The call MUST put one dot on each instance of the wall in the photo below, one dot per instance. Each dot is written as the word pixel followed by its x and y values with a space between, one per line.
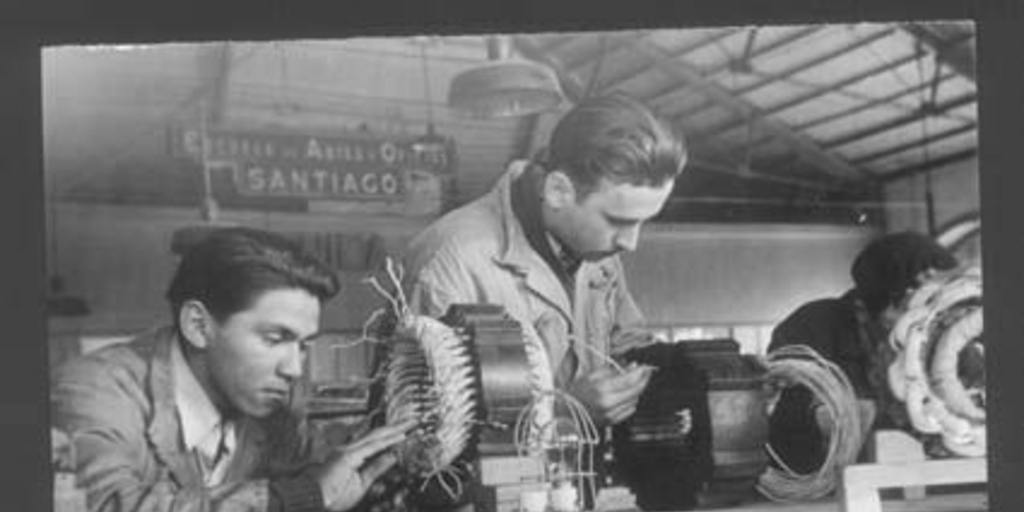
pixel 684 275
pixel 743 278
pixel 119 258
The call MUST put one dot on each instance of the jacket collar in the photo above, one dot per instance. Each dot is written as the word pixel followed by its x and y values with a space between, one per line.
pixel 519 256
pixel 164 429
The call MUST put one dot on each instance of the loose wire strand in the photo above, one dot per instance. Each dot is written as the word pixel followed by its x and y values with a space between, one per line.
pixel 606 358
pixel 532 439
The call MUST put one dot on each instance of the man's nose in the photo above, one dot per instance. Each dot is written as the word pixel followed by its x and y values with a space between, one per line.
pixel 626 239
pixel 291 365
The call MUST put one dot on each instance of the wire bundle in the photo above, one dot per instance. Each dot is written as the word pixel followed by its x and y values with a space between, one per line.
pixel 430 377
pixel 942 324
pixel 565 441
pixel 801 365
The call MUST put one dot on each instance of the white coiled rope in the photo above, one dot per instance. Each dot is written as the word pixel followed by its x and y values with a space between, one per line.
pixel 801 365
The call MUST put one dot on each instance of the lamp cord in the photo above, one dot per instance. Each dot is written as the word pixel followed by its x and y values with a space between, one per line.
pixel 426 87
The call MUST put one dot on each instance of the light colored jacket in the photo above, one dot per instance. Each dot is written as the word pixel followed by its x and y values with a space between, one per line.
pixel 117 404
pixel 479 253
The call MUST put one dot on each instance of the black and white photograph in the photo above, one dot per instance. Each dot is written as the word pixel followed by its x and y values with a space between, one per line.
pixel 704 268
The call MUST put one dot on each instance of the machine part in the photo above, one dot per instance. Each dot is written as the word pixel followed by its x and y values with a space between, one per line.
pixel 557 429
pixel 511 374
pixel 939 367
pixel 464 379
pixel 473 368
pixel 800 365
pixel 737 401
pixel 432 378
pixel 663 453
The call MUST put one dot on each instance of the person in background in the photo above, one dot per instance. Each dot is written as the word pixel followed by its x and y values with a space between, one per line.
pixel 199 415
pixel 852 331
pixel 544 244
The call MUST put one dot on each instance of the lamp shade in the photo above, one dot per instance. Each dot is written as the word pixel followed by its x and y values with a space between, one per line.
pixel 505 89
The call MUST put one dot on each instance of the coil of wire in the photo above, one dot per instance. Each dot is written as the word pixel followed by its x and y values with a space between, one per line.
pixel 938 372
pixel 800 365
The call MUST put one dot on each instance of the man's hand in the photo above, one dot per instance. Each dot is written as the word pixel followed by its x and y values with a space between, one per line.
pixel 350 471
pixel 612 395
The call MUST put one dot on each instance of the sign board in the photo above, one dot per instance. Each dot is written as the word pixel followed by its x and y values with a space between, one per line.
pixel 354 166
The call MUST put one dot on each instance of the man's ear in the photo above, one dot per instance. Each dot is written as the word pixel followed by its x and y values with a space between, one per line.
pixel 559 190
pixel 196 323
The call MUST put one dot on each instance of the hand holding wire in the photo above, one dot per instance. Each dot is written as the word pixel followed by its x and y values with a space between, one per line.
pixel 613 394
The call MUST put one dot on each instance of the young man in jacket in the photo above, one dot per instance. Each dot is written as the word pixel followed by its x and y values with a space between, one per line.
pixel 199 416
pixel 544 244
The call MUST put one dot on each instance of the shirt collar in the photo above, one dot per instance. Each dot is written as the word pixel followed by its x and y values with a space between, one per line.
pixel 200 419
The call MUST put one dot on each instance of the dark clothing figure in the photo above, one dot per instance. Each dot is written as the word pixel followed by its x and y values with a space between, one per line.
pixel 832 328
pixel 852 331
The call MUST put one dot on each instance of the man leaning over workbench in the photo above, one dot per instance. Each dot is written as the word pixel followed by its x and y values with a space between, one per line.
pixel 198 416
pixel 544 245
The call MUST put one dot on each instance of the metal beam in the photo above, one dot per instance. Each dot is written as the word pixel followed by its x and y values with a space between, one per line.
pixel 958 53
pixel 888 100
pixel 913 117
pixel 802 66
pixel 758 52
pixel 928 166
pixel 559 41
pixel 806 148
pixel 749 173
pixel 612 44
pixel 605 47
pixel 885 100
pixel 571 85
pixel 895 150
pixel 823 90
pixel 631 71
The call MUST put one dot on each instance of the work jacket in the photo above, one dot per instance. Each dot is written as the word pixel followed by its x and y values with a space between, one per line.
pixel 479 253
pixel 117 404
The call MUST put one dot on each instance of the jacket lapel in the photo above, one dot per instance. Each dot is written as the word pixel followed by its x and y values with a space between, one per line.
pixel 249 450
pixel 164 430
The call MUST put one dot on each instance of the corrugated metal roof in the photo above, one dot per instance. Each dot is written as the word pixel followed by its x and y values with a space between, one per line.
pixel 825 106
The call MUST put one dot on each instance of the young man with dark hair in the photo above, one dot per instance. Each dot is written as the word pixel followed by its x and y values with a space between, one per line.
pixel 199 416
pixel 544 244
pixel 852 331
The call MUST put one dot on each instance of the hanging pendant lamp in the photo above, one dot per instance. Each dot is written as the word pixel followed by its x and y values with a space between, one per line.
pixel 504 87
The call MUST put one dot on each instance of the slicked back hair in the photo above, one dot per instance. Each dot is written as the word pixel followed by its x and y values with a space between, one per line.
pixel 229 268
pixel 617 138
